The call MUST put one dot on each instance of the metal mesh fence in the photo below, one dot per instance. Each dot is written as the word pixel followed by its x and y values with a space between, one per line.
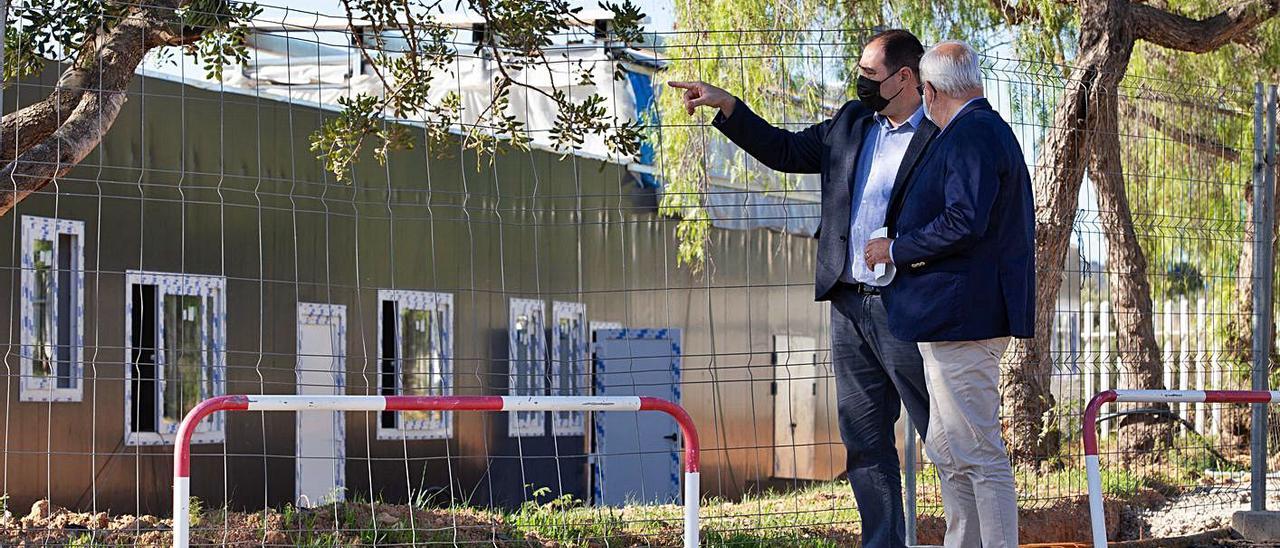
pixel 203 248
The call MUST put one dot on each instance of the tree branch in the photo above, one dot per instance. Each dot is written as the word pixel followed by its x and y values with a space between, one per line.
pixel 97 97
pixel 1014 15
pixel 1179 32
pixel 168 37
pixel 1203 143
pixel 23 128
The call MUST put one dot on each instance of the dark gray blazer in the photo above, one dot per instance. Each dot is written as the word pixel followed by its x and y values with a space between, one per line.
pixel 830 148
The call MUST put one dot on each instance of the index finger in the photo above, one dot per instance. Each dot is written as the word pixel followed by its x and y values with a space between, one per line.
pixel 683 85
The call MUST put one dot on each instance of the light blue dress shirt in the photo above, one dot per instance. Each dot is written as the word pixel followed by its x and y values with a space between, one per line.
pixel 878 162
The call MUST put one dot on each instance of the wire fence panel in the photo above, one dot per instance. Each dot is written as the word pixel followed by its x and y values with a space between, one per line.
pixel 207 247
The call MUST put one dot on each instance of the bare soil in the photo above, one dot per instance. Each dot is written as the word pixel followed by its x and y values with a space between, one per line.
pixel 1149 518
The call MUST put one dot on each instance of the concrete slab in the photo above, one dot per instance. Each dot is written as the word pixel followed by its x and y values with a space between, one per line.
pixel 1257 526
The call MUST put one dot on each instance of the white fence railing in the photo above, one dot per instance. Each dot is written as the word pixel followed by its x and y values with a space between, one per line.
pixel 1190 334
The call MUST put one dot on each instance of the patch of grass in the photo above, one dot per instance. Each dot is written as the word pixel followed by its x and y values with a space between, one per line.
pixel 566 519
pixel 319 539
pixel 195 511
pixel 82 541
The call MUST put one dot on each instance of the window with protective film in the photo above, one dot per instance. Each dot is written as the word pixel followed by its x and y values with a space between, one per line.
pixel 527 366
pixel 175 342
pixel 416 345
pixel 568 364
pixel 52 309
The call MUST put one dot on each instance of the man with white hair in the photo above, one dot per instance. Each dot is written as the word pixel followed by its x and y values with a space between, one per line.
pixel 961 236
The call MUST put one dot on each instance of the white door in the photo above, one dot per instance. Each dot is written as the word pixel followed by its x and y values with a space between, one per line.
pixel 636 455
pixel 321 434
pixel 794 407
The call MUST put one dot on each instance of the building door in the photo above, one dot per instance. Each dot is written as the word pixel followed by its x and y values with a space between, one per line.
pixel 635 456
pixel 795 398
pixel 321 435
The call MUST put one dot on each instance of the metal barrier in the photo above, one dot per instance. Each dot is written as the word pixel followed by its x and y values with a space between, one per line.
pixel 1097 519
pixel 182 446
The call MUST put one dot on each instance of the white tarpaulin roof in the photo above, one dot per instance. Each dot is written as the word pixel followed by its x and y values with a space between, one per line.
pixel 324 79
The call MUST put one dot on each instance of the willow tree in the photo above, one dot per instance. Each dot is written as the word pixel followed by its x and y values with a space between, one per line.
pixel 765 57
pixel 790 62
pixel 1085 138
pixel 1086 46
pixel 103 42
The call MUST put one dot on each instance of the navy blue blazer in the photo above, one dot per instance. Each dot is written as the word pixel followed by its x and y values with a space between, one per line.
pixel 965 230
pixel 831 149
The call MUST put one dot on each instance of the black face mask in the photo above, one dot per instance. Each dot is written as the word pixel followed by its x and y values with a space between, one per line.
pixel 869 93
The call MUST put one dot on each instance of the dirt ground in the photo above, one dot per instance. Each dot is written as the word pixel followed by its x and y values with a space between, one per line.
pixel 353 524
pixel 344 525
pixel 1148 520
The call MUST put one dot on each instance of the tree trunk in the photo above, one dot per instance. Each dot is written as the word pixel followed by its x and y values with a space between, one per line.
pixel 1085 131
pixel 1025 382
pixel 1087 103
pixel 1130 291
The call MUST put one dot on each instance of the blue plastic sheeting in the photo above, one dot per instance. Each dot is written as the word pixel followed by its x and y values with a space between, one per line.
pixel 647 113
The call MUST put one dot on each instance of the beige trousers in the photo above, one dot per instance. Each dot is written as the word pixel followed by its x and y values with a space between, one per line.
pixel 978 493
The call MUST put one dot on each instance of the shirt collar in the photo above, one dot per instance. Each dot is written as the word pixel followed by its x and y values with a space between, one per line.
pixel 969 102
pixel 962 107
pixel 913 122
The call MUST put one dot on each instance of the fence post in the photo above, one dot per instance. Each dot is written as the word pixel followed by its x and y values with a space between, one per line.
pixel 1263 264
pixel 1166 344
pixel 910 485
pixel 1184 355
pixel 1087 356
pixel 1104 353
pixel 1202 363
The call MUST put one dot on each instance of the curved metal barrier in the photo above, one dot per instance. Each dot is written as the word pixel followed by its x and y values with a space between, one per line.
pixel 182 446
pixel 1096 516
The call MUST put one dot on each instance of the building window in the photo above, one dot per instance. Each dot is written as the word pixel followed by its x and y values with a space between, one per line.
pixel 52 309
pixel 175 341
pixel 527 366
pixel 568 364
pixel 415 350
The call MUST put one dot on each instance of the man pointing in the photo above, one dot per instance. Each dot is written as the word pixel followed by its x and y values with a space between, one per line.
pixel 863 155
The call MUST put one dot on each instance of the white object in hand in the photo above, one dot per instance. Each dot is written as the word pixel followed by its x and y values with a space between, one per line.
pixel 883 271
pixel 882 232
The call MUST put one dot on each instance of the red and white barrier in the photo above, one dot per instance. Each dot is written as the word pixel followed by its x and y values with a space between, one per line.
pixel 182 446
pixel 1096 516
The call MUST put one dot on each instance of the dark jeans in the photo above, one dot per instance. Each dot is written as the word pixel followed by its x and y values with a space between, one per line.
pixel 874 372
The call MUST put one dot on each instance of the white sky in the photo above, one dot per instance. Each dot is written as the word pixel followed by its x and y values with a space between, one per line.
pixel 661 12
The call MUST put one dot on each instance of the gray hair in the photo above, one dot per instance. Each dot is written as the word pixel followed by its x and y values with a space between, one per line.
pixel 952 67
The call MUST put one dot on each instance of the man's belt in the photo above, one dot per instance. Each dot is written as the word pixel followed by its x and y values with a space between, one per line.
pixel 861 288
